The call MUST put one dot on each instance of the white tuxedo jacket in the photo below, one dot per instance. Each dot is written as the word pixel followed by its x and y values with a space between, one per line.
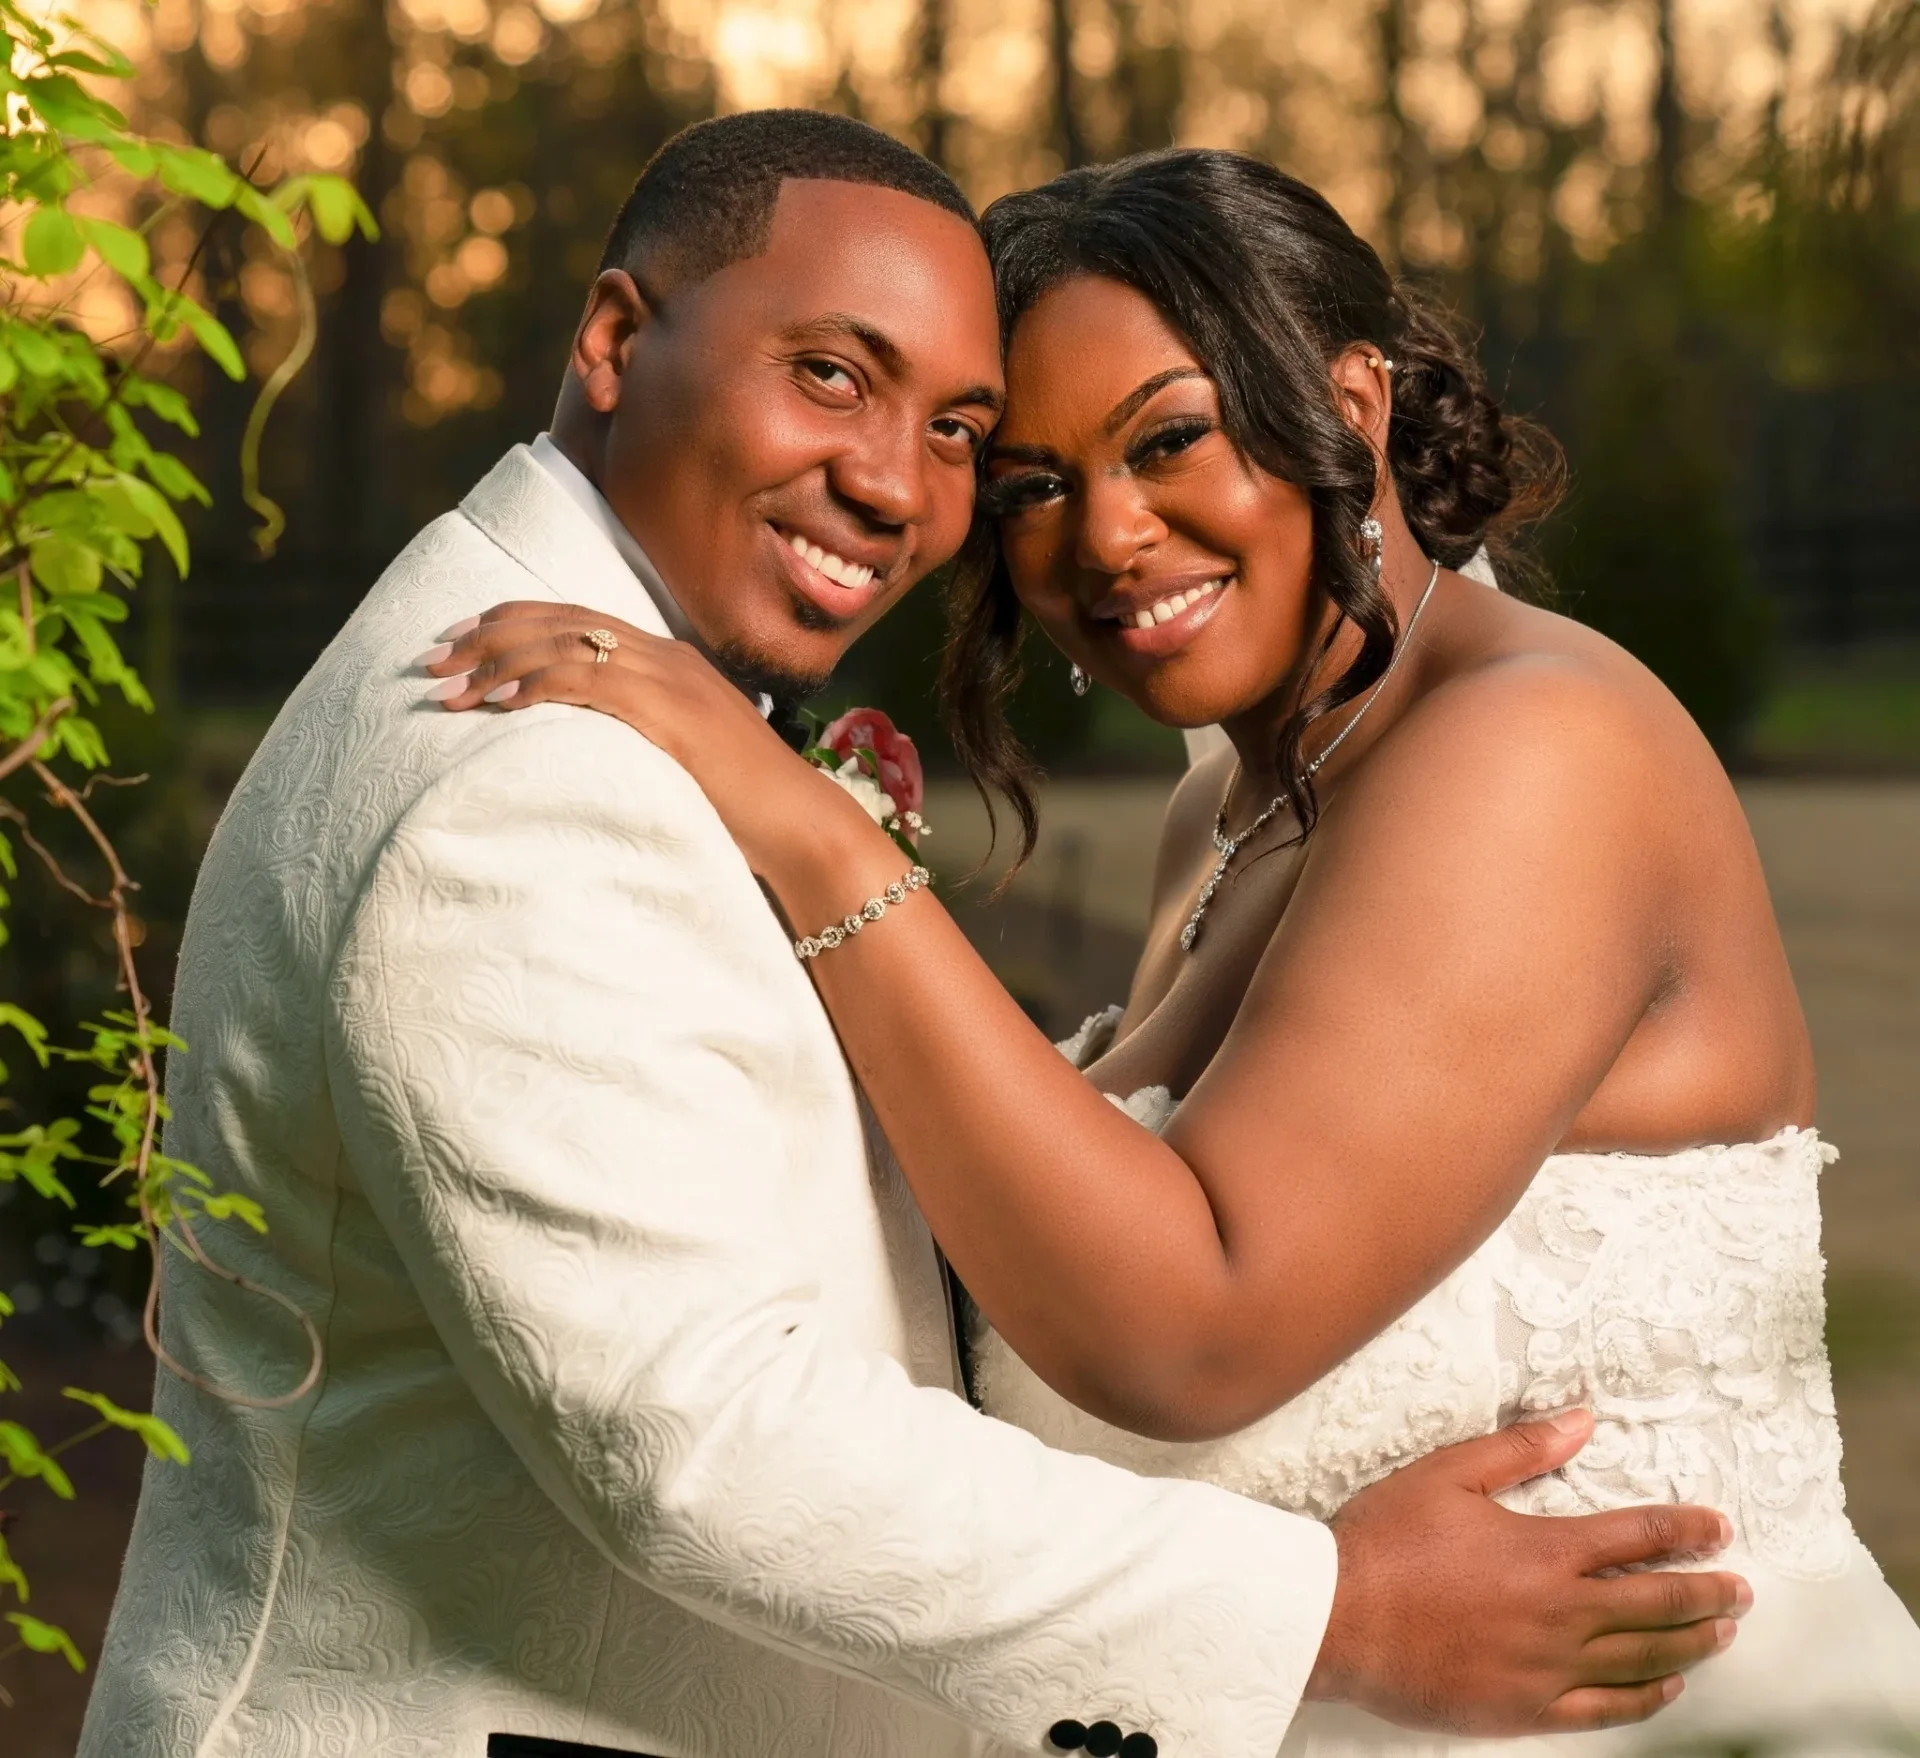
pixel 637 1425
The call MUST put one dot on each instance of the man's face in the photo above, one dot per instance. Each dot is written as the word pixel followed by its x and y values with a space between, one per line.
pixel 793 439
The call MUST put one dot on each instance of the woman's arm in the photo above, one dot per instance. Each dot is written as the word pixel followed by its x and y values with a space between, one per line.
pixel 1473 938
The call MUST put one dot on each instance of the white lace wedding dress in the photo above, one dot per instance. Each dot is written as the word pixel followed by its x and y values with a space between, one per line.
pixel 1681 1299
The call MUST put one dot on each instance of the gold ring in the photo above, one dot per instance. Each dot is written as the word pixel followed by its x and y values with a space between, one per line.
pixel 603 642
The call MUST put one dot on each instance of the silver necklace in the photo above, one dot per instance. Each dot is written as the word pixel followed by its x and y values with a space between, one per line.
pixel 1225 846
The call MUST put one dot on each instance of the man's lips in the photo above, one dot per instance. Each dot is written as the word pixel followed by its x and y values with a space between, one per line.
pixel 839 584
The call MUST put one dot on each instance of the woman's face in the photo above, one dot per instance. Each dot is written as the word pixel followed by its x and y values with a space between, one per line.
pixel 1153 554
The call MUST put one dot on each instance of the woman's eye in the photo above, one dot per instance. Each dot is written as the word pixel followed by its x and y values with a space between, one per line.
pixel 1171 441
pixel 829 373
pixel 1004 496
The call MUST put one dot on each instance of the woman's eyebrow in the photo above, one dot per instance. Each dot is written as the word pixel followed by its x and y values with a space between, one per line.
pixel 1020 454
pixel 1129 405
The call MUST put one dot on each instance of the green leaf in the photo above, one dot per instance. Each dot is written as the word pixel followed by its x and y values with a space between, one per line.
pixel 197 174
pixel 47 1639
pixel 9 371
pixel 231 1207
pixel 160 519
pixel 25 1459
pixel 161 1441
pixel 121 248
pixel 124 1237
pixel 68 107
pixel 213 338
pixel 34 351
pixel 64 568
pixel 11 1574
pixel 28 1027
pixel 134 157
pixel 268 215
pixel 52 244
pixel 163 400
pixel 338 210
pixel 119 67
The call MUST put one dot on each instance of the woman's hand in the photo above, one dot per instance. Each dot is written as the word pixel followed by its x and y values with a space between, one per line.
pixel 772 801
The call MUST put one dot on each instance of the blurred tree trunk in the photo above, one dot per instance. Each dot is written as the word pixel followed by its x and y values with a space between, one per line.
pixel 1068 138
pixel 930 67
pixel 1148 77
pixel 1397 146
pixel 353 366
pixel 1668 122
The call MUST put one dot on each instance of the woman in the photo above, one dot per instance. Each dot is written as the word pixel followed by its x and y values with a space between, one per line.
pixel 1457 954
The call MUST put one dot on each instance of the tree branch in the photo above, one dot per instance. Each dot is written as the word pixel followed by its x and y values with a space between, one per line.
pixel 29 748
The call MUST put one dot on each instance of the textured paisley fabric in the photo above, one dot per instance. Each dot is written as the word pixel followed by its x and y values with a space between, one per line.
pixel 1678 1297
pixel 637 1424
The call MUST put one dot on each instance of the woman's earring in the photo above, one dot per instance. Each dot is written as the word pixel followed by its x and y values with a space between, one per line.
pixel 1081 682
pixel 1374 536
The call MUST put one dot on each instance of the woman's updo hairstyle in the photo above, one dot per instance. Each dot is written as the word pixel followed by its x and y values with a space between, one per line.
pixel 1269 286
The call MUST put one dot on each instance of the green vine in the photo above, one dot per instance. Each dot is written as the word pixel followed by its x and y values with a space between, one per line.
pixel 86 490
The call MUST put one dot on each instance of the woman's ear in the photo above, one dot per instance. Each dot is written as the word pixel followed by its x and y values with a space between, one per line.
pixel 616 313
pixel 1363 389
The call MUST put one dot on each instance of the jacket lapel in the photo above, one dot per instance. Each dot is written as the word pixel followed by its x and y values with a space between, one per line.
pixel 530 516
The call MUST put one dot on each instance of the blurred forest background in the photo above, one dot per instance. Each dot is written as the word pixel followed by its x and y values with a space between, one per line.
pixel 1688 231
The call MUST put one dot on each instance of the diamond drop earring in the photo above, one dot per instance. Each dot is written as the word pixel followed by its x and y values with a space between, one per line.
pixel 1373 535
pixel 1081 682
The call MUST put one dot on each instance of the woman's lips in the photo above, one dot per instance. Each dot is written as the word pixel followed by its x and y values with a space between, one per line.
pixel 1161 639
pixel 840 601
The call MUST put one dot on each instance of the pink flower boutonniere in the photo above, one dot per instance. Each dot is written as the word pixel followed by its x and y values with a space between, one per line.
pixel 877 763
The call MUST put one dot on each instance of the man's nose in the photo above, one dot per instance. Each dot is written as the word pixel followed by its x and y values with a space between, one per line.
pixel 1116 524
pixel 885 474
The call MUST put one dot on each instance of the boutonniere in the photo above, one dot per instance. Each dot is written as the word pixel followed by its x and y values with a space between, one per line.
pixel 877 763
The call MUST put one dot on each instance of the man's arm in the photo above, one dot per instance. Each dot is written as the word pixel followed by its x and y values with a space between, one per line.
pixel 558 1061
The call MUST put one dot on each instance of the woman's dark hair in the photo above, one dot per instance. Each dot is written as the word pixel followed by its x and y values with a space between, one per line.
pixel 1269 286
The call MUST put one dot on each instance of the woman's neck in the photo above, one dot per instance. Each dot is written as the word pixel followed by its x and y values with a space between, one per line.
pixel 1255 734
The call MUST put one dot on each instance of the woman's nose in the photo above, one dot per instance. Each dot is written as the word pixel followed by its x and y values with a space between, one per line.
pixel 1115 526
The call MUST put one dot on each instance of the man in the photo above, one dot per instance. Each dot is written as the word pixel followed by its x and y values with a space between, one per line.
pixel 637 1429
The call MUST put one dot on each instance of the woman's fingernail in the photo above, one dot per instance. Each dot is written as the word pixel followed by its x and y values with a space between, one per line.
pixel 1742 1599
pixel 1568 1421
pixel 465 626
pixel 448 688
pixel 506 691
pixel 1726 1532
pixel 433 656
pixel 1724 1631
pixel 1671 1688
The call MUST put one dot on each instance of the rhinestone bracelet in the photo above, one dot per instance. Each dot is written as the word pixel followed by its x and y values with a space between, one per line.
pixel 871 911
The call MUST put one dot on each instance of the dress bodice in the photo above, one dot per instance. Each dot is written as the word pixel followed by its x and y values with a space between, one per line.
pixel 1679 1297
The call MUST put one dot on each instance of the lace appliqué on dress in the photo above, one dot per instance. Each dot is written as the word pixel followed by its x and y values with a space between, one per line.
pixel 1679 1297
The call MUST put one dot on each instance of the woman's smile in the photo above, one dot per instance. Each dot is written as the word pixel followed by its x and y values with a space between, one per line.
pixel 1156 618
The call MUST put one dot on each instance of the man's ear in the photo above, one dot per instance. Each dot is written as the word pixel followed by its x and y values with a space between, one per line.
pixel 617 311
pixel 1363 389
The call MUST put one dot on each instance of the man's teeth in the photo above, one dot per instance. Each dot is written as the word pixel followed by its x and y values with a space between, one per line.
pixel 841 572
pixel 1169 608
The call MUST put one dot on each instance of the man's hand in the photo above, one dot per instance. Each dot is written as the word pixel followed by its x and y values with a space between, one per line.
pixel 1454 1614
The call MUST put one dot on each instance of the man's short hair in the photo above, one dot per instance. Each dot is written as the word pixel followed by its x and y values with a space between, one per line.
pixel 706 198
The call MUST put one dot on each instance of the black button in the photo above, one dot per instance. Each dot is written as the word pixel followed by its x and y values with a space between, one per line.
pixel 1067 1736
pixel 1139 1746
pixel 1103 1740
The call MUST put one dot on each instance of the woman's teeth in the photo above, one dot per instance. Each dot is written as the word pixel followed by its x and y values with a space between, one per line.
pixel 1169 608
pixel 836 569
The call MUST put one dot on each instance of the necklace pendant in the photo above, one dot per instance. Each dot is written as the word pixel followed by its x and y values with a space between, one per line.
pixel 1191 932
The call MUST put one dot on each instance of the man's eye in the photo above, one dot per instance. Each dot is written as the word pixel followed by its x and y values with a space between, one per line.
pixel 830 373
pixel 951 427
